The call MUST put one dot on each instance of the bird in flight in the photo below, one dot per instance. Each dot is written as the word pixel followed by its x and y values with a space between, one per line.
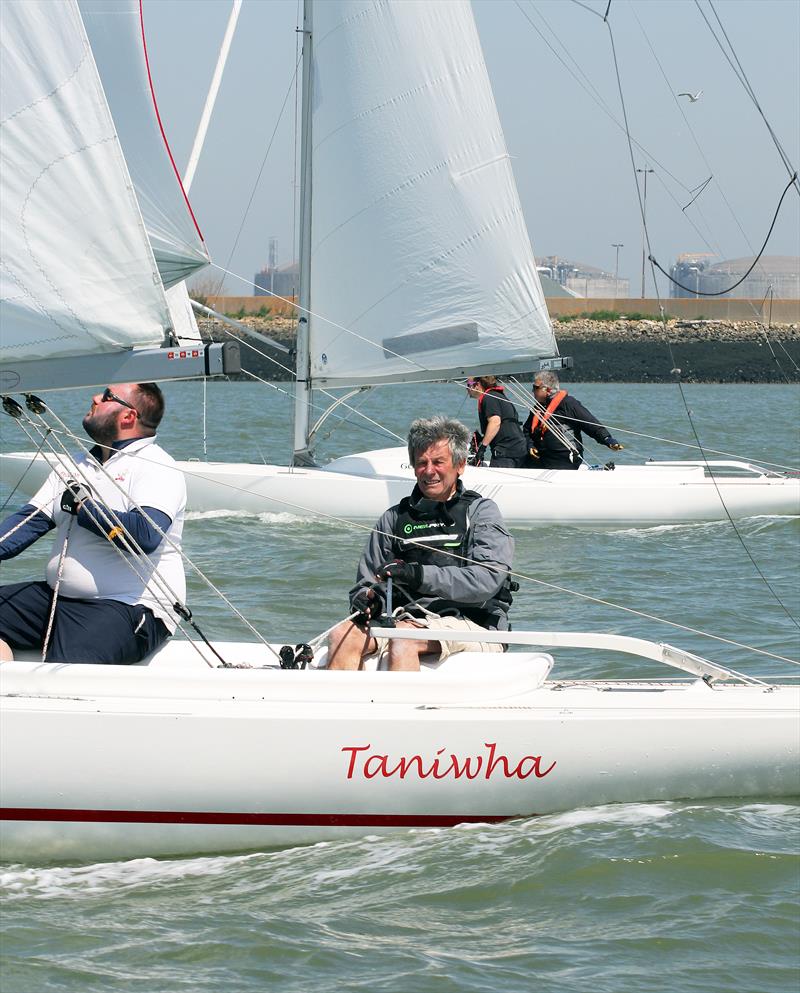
pixel 693 97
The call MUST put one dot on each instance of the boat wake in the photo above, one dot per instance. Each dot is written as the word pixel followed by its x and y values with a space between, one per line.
pixel 762 827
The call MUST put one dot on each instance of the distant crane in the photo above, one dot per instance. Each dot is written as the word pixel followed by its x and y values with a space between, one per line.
pixel 693 97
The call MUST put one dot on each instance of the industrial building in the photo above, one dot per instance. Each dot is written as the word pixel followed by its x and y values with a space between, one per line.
pixel 776 276
pixel 579 280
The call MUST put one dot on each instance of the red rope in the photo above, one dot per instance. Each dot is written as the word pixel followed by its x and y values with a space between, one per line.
pixel 161 126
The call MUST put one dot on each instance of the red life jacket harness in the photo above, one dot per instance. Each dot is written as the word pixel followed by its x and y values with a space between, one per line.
pixel 539 422
pixel 492 389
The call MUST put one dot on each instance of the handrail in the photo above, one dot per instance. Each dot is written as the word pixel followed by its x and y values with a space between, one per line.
pixel 676 658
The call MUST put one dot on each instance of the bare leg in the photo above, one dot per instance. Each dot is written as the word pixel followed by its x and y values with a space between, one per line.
pixel 6 655
pixel 404 655
pixel 347 645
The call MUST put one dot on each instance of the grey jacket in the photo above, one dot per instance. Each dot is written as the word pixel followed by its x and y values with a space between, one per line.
pixel 489 548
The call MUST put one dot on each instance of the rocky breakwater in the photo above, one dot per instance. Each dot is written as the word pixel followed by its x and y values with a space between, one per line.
pixel 646 350
pixel 604 351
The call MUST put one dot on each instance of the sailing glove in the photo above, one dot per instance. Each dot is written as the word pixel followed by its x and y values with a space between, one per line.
pixel 407 574
pixel 368 602
pixel 73 496
pixel 613 444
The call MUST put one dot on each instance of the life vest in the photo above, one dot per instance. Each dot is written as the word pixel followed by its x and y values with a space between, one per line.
pixel 492 389
pixel 539 422
pixel 431 532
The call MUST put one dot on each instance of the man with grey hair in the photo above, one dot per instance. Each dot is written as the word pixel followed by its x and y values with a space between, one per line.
pixel 554 431
pixel 447 552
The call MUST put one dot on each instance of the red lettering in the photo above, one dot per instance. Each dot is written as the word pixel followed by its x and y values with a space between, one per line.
pixel 354 749
pixel 466 768
pixel 492 762
pixel 378 762
pixel 404 765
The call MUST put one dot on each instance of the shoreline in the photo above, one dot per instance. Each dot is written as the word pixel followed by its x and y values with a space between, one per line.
pixel 616 351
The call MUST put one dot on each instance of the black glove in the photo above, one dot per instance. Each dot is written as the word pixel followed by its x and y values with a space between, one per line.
pixel 73 495
pixel 613 444
pixel 407 574
pixel 477 458
pixel 368 602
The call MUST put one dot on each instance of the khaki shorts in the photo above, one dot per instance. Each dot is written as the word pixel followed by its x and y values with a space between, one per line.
pixel 447 624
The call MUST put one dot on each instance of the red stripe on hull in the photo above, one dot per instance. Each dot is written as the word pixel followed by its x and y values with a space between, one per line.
pixel 216 817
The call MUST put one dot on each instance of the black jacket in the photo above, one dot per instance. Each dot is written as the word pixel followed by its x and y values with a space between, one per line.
pixel 572 419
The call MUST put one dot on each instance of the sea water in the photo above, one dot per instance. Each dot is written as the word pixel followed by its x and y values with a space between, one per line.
pixel 678 896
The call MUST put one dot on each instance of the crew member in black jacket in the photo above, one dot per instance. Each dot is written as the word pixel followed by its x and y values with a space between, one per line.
pixel 500 428
pixel 554 430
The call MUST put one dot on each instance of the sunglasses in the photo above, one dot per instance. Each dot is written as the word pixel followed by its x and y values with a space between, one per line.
pixel 539 386
pixel 109 394
pixel 471 384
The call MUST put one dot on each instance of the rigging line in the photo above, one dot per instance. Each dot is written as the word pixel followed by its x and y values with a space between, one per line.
pixel 669 344
pixel 742 77
pixel 79 442
pixel 691 131
pixel 720 293
pixel 697 192
pixel 714 248
pixel 24 474
pixel 246 212
pixel 599 101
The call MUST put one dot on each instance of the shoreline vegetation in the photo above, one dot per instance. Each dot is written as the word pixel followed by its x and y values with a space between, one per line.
pixel 606 348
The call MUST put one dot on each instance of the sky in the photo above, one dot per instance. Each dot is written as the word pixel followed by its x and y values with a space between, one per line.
pixel 553 75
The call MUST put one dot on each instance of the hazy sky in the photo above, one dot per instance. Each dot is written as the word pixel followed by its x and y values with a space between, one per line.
pixel 552 71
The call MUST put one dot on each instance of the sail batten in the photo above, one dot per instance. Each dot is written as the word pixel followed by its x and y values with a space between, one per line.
pixel 420 258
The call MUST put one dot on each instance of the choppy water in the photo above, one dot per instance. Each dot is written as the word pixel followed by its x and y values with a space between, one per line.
pixel 639 897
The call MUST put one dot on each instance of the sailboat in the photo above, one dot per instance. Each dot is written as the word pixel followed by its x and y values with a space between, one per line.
pixel 416 266
pixel 113 762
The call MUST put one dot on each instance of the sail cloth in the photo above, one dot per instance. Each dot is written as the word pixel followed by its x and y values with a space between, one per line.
pixel 77 274
pixel 421 265
pixel 115 32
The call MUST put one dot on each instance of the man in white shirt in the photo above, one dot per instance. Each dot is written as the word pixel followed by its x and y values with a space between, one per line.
pixel 116 569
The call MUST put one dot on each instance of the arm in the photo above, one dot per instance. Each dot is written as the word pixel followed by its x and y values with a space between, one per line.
pixel 492 427
pixel 584 420
pixel 491 549
pixel 378 550
pixel 134 527
pixel 30 523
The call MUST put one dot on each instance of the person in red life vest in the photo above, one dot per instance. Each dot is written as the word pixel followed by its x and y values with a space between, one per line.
pixel 500 429
pixel 554 431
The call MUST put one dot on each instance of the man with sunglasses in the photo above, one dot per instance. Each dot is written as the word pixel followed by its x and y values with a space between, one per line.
pixel 500 429
pixel 555 429
pixel 116 567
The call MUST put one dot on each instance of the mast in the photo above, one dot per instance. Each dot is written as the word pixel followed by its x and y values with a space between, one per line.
pixel 302 407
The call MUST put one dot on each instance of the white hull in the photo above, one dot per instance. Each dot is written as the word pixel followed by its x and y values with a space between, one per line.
pixel 360 487
pixel 176 758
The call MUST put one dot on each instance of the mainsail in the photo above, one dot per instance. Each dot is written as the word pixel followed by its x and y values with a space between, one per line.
pixel 420 261
pixel 77 273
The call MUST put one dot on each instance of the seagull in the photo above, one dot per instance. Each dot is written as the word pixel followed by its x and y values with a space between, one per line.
pixel 693 97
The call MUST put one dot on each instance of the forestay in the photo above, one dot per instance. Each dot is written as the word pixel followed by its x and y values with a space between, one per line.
pixel 418 243
pixel 116 32
pixel 78 273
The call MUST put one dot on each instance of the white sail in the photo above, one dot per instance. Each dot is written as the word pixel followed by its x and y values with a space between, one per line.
pixel 116 32
pixel 77 274
pixel 421 265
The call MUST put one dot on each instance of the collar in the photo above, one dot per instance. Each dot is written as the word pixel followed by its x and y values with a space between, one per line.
pixel 117 446
pixel 422 506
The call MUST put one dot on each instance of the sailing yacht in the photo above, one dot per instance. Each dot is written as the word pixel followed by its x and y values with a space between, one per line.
pixel 460 741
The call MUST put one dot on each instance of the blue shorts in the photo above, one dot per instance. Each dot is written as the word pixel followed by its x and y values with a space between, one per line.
pixel 97 631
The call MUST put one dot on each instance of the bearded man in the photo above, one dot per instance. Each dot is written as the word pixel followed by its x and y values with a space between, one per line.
pixel 116 568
